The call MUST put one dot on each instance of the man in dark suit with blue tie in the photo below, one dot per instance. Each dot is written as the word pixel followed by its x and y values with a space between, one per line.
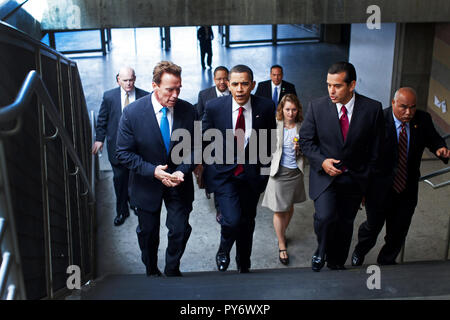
pixel 238 184
pixel 341 137
pixel 276 87
pixel 144 146
pixel 114 101
pixel 392 196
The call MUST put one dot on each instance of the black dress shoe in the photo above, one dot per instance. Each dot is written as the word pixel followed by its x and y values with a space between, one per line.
pixel 317 263
pixel 222 261
pixel 333 266
pixel 244 269
pixel 120 219
pixel 357 260
pixel 173 273
pixel 154 273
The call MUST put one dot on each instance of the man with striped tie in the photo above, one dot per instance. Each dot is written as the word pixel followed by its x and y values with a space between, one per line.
pixel 144 146
pixel 392 197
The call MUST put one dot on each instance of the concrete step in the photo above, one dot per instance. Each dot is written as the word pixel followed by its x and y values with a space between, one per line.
pixel 415 280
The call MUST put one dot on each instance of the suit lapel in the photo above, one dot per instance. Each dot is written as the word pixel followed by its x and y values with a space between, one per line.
pixel 177 121
pixel 391 133
pixel 213 93
pixel 154 122
pixel 413 135
pixel 280 134
pixel 118 102
pixel 356 117
pixel 332 117
pixel 256 115
pixel 282 91
pixel 228 113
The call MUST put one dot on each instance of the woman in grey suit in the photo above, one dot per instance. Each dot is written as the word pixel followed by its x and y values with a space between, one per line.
pixel 286 186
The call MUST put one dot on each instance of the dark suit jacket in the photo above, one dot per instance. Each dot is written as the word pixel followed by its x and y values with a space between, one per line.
pixel 140 148
pixel 205 41
pixel 422 134
pixel 218 115
pixel 321 138
pixel 204 96
pixel 108 119
pixel 264 89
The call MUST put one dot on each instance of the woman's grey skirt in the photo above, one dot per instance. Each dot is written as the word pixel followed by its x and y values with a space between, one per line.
pixel 284 189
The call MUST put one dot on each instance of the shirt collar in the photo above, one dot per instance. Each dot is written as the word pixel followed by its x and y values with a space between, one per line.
pixel 349 105
pixel 273 85
pixel 398 123
pixel 123 92
pixel 157 106
pixel 220 94
pixel 247 106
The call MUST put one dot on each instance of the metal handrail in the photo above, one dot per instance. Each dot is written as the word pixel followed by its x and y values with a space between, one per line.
pixel 33 84
pixel 93 124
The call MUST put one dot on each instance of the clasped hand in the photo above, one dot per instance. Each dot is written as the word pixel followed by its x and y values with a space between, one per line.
pixel 329 168
pixel 169 180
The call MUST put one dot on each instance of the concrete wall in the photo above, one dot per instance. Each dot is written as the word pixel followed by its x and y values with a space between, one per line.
pixel 94 14
pixel 413 58
pixel 372 54
pixel 440 78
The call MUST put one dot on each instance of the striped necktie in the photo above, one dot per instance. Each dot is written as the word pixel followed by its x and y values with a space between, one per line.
pixel 402 167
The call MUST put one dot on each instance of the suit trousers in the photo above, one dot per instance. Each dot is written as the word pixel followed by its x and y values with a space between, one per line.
pixel 206 49
pixel 336 209
pixel 121 177
pixel 177 222
pixel 237 203
pixel 397 212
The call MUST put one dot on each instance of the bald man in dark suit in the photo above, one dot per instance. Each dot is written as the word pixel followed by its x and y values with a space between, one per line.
pixel 114 101
pixel 392 196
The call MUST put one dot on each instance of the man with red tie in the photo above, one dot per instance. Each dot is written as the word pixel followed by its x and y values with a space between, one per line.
pixel 236 185
pixel 341 137
pixel 392 196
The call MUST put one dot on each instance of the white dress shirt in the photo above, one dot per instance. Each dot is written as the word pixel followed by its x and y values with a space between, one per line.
pixel 123 96
pixel 247 112
pixel 222 94
pixel 158 113
pixel 278 90
pixel 398 129
pixel 349 106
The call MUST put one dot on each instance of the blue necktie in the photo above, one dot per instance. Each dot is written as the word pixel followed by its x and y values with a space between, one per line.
pixel 275 97
pixel 165 131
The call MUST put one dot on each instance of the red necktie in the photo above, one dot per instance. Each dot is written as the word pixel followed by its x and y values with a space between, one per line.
pixel 240 124
pixel 402 173
pixel 343 120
